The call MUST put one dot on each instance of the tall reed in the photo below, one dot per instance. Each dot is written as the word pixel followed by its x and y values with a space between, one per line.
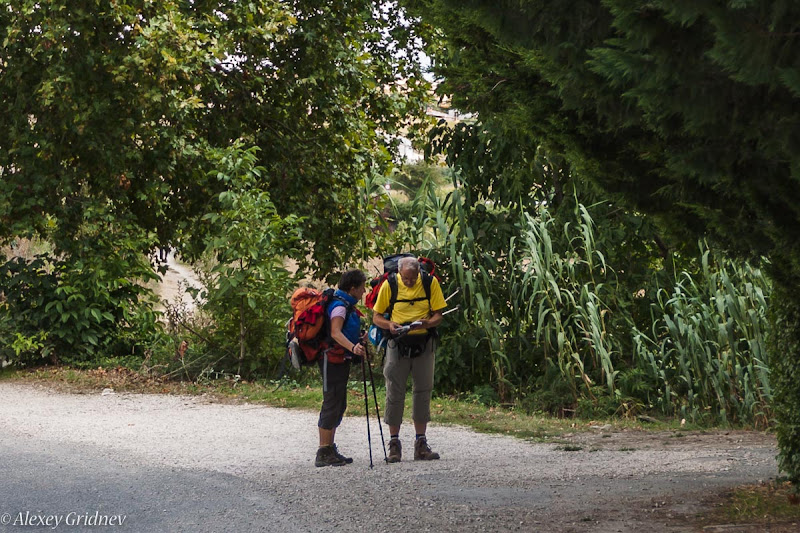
pixel 561 292
pixel 706 346
pixel 538 293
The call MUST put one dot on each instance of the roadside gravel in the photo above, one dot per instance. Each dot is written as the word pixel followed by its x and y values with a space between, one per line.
pixel 609 481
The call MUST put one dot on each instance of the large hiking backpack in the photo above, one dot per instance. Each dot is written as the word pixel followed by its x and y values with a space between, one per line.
pixel 427 268
pixel 308 335
pixel 390 271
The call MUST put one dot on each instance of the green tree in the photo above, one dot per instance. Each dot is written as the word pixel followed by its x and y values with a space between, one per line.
pixel 121 103
pixel 247 286
pixel 318 93
pixel 119 106
pixel 686 110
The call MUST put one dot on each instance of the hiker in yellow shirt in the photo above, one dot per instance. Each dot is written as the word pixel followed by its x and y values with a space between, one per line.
pixel 418 304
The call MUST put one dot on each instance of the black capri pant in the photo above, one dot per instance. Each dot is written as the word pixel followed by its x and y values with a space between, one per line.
pixel 334 399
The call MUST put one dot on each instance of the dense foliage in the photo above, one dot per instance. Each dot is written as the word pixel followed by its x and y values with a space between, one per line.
pixel 785 344
pixel 686 111
pixel 554 321
pixel 115 111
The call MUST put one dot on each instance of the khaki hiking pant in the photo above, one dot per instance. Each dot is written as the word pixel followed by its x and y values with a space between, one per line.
pixel 396 370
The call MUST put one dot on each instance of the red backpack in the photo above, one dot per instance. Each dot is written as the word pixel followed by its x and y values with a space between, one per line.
pixel 308 335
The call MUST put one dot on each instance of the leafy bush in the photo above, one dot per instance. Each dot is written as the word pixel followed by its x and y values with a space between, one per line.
pixel 485 395
pixel 246 283
pixel 785 347
pixel 550 393
pixel 598 404
pixel 461 364
pixel 76 310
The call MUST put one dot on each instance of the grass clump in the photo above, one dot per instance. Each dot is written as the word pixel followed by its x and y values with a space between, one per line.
pixel 768 506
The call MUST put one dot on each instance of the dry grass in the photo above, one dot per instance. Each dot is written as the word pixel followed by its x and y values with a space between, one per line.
pixel 769 507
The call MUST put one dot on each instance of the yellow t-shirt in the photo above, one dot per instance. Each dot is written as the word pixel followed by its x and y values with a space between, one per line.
pixel 405 312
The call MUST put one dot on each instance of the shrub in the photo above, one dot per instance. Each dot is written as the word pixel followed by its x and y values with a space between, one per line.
pixel 785 347
pixel 246 284
pixel 78 309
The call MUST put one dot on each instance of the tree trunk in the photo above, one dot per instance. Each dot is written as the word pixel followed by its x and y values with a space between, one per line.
pixel 241 335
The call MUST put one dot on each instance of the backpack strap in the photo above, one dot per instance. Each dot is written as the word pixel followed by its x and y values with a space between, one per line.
pixel 427 280
pixel 348 310
pixel 392 281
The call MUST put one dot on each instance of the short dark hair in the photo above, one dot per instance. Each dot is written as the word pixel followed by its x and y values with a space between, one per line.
pixel 351 279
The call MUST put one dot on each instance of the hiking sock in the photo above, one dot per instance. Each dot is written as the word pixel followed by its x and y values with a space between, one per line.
pixel 420 436
pixel 394 437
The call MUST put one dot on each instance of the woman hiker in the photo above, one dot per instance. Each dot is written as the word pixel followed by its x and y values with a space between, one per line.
pixel 345 323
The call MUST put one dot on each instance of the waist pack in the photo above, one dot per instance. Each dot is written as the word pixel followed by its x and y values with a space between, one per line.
pixel 413 345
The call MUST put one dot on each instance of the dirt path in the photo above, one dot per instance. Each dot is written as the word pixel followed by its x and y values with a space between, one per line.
pixel 172 288
pixel 610 481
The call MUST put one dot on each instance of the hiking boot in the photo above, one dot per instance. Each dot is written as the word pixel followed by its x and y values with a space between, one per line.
pixel 423 452
pixel 327 456
pixel 347 460
pixel 395 451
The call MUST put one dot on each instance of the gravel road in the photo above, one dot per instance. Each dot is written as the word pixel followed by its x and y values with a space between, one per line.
pixel 172 463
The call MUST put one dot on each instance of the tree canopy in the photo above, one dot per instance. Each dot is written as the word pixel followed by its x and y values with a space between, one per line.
pixel 118 118
pixel 687 111
pixel 119 103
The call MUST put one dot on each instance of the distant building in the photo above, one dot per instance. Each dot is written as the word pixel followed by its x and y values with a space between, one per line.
pixel 407 152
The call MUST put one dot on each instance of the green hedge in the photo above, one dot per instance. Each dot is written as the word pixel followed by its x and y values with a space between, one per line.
pixel 785 357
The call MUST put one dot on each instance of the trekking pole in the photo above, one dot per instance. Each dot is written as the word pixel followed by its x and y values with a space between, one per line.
pixel 456 308
pixel 377 410
pixel 366 409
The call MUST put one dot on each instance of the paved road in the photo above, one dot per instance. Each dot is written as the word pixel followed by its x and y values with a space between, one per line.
pixel 85 484
pixel 169 463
